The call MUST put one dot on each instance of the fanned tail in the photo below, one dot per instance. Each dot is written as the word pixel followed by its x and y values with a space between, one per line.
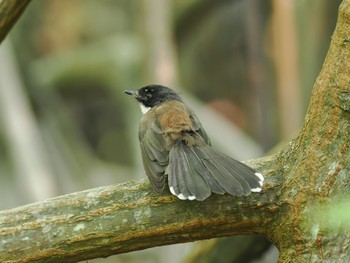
pixel 194 172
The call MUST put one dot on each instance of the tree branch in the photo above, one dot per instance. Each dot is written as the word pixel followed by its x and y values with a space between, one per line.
pixel 127 217
pixel 10 11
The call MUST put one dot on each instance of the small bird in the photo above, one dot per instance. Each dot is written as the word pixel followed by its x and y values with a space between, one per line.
pixel 174 143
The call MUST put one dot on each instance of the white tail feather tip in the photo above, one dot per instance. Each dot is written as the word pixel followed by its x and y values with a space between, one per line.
pixel 182 197
pixel 256 190
pixel 172 190
pixel 261 177
pixel 192 197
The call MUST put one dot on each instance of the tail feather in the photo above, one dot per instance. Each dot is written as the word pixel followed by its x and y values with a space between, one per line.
pixel 178 172
pixel 229 183
pixel 190 182
pixel 245 172
pixel 197 186
pixel 176 181
pixel 241 172
pixel 195 172
pixel 183 174
pixel 218 172
pixel 197 160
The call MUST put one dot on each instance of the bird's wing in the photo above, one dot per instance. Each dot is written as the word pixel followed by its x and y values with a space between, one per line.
pixel 155 157
pixel 197 126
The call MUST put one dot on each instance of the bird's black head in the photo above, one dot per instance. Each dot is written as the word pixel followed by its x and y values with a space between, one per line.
pixel 153 95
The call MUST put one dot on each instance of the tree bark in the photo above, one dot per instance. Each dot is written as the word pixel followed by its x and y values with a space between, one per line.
pixel 313 169
pixel 127 217
pixel 316 164
pixel 10 11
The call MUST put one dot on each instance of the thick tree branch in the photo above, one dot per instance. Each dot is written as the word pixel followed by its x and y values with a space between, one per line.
pixel 10 11
pixel 316 169
pixel 127 217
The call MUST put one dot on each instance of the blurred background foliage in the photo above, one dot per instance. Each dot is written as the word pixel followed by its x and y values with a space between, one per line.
pixel 246 66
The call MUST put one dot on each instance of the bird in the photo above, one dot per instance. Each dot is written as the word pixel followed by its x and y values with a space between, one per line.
pixel 177 153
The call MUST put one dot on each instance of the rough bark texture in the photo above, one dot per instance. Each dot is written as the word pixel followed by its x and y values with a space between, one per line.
pixel 316 164
pixel 313 169
pixel 117 219
pixel 10 11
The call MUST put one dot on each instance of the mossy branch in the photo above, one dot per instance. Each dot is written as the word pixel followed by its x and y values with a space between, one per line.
pixel 127 217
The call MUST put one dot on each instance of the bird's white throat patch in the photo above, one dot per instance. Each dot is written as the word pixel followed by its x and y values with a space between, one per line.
pixel 144 109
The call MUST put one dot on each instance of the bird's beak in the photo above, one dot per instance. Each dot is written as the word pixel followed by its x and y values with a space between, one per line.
pixel 133 93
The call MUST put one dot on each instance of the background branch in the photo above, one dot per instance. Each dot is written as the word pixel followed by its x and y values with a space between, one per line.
pixel 10 11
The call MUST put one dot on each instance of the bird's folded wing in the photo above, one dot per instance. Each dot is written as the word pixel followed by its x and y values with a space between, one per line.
pixel 155 157
pixel 197 126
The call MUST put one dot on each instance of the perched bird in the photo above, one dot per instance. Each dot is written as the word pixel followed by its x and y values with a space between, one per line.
pixel 174 143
